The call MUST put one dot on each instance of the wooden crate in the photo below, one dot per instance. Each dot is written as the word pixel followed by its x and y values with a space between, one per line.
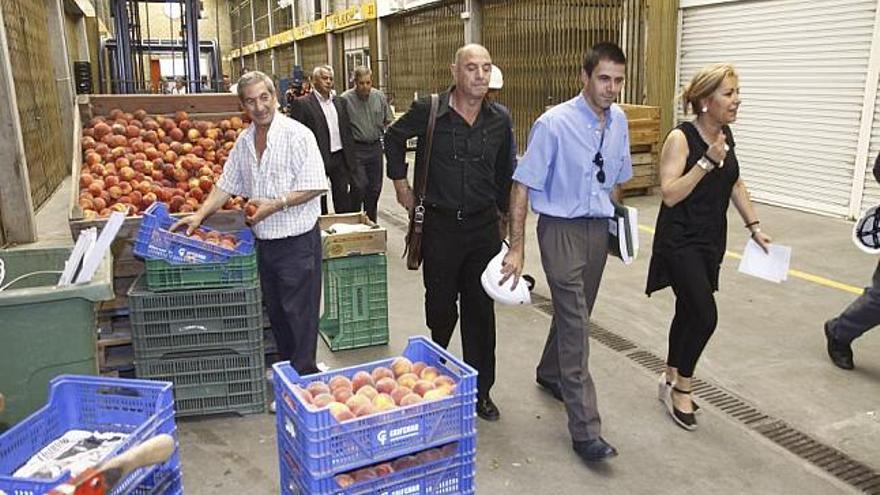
pixel 200 106
pixel 644 136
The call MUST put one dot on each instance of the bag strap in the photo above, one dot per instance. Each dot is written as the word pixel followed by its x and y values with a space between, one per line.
pixel 421 175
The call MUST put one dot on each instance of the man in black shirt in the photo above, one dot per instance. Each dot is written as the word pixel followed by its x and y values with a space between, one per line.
pixel 468 187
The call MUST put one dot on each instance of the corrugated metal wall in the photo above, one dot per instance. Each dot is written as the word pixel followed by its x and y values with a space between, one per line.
pixel 421 47
pixel 540 45
pixel 38 105
pixel 313 52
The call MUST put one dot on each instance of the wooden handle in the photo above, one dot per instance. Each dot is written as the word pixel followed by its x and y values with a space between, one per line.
pixel 2 403
pixel 154 451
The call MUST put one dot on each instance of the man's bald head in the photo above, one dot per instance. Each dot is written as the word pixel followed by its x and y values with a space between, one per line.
pixel 470 48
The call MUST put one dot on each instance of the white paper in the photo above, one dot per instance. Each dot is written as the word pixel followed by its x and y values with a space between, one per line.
pixel 84 243
pixel 92 258
pixel 771 266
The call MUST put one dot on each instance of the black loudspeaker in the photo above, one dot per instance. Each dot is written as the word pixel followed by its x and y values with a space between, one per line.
pixel 82 77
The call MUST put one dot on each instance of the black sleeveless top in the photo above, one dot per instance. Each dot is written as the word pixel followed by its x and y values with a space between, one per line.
pixel 697 225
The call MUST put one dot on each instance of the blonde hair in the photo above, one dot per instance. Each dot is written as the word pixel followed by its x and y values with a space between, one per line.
pixel 704 83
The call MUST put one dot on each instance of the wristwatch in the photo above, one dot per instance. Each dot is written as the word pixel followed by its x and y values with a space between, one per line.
pixel 705 164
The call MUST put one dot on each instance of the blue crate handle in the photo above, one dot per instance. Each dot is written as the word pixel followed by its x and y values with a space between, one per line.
pixel 122 387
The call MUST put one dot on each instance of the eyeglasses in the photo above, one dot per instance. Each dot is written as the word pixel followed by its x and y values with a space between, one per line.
pixel 599 162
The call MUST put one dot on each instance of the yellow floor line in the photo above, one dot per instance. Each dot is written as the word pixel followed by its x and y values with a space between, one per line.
pixel 809 277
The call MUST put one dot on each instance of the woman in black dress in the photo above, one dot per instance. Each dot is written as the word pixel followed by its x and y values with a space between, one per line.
pixel 699 176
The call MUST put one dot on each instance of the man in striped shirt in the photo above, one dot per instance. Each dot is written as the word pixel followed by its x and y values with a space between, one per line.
pixel 276 163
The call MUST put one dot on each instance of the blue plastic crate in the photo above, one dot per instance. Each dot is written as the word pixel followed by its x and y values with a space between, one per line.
pixel 326 446
pixel 154 241
pixel 137 407
pixel 448 475
pixel 172 485
pixel 158 481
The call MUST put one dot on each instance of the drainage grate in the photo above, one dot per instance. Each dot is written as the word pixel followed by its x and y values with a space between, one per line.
pixel 829 459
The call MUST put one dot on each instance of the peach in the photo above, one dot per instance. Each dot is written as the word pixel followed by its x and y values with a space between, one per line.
pixel 318 387
pixel 405 462
pixel 383 402
pixel 449 450
pixel 361 378
pixel 342 394
pixel 339 410
pixel 339 381
pixel 344 480
pixel 364 474
pixel 381 372
pixel 304 394
pixel 356 402
pixel 408 380
pixel 429 455
pixel 429 373
pixel 437 393
pixel 384 469
pixel 322 400
pixel 368 391
pixel 417 367
pixel 423 386
pixel 364 410
pixel 410 399
pixel 444 381
pixel 386 385
pixel 401 366
pixel 399 393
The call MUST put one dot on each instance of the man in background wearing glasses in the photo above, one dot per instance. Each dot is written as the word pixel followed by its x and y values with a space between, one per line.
pixel 577 156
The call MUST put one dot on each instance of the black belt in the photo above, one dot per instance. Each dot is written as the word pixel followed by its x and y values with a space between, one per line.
pixel 367 143
pixel 458 214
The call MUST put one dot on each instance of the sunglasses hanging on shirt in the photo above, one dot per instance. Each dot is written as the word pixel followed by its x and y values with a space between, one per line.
pixel 598 161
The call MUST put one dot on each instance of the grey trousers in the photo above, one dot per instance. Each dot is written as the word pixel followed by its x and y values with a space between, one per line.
pixel 861 315
pixel 573 254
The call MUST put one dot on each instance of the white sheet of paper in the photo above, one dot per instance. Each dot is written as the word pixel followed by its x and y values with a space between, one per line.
pixel 772 266
pixel 93 257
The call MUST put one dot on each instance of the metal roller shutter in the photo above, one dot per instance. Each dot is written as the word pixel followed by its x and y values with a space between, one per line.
pixel 803 67
pixel 871 194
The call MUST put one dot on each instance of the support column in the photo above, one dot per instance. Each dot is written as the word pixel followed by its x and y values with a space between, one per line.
pixel 473 21
pixel 124 74
pixel 191 11
pixel 16 204
pixel 62 68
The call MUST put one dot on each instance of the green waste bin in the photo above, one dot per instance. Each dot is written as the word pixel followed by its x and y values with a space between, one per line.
pixel 45 330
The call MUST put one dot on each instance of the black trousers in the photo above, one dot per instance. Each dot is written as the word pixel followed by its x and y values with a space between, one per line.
pixel 339 185
pixel 369 157
pixel 290 276
pixel 696 314
pixel 455 254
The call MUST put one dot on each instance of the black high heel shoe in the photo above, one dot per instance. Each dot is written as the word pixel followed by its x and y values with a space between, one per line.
pixel 688 421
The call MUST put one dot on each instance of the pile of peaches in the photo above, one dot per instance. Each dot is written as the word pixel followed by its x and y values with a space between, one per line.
pixel 345 480
pixel 131 160
pixel 403 384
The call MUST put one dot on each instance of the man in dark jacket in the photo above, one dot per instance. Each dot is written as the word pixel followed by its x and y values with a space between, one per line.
pixel 327 117
pixel 468 188
pixel 860 316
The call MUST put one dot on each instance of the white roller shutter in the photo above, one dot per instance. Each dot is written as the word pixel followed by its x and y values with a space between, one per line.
pixel 802 66
pixel 871 194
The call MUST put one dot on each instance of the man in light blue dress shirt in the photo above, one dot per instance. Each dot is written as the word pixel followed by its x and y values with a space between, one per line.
pixel 577 157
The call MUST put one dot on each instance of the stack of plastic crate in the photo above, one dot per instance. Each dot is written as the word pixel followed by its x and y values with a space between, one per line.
pixel 355 302
pixel 139 408
pixel 314 449
pixel 196 319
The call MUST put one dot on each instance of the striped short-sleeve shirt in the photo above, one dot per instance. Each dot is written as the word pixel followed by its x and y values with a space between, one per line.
pixel 291 162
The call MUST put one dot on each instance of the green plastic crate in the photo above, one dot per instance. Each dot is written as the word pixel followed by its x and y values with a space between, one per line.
pixel 238 271
pixel 194 320
pixel 211 382
pixel 355 302
pixel 46 331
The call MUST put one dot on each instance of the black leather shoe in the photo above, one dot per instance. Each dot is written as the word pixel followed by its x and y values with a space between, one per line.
pixel 551 387
pixel 487 409
pixel 840 352
pixel 594 450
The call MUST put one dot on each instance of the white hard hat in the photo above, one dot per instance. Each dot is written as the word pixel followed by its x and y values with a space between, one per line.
pixel 496 78
pixel 503 294
pixel 866 232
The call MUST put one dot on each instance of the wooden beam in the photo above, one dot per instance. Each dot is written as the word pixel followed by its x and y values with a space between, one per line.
pixel 661 60
pixel 62 68
pixel 16 204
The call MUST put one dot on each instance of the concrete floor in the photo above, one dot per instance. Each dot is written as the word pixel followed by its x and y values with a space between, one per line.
pixel 768 350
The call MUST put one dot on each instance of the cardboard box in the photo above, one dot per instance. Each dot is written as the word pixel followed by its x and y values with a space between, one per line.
pixel 353 243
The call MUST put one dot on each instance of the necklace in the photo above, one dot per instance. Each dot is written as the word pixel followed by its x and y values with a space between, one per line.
pixel 703 134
